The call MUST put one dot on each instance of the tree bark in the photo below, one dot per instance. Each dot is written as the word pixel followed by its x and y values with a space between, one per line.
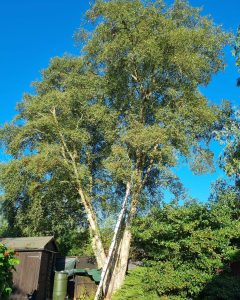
pixel 119 272
pixel 70 158
pixel 120 269
pixel 97 245
pixel 112 259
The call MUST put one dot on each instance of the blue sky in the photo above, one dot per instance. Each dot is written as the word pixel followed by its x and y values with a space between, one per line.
pixel 34 31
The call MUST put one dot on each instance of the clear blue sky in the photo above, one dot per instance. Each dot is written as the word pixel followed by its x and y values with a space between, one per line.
pixel 33 31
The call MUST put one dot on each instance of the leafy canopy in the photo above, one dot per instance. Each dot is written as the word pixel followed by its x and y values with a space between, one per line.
pixel 128 109
pixel 153 61
pixel 40 179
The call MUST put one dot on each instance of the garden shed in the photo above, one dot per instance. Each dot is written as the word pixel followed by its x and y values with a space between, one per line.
pixel 33 278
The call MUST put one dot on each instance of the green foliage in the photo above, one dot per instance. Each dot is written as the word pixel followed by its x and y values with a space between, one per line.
pixel 61 126
pixel 236 49
pixel 231 133
pixel 187 250
pixel 7 263
pixel 225 287
pixel 134 288
pixel 79 242
pixel 75 243
pixel 128 109
pixel 230 136
pixel 163 56
pixel 55 204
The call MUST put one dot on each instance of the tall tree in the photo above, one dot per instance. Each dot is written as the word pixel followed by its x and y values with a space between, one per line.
pixel 124 113
pixel 154 60
pixel 60 137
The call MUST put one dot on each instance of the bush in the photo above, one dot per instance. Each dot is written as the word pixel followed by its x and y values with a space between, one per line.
pixel 134 288
pixel 187 252
pixel 7 263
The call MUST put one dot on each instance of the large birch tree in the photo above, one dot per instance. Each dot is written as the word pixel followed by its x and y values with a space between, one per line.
pixel 154 60
pixel 124 113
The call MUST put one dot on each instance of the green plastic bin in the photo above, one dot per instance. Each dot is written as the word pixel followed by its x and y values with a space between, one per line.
pixel 60 286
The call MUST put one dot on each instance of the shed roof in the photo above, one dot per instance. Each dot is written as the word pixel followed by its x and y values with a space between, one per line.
pixel 25 243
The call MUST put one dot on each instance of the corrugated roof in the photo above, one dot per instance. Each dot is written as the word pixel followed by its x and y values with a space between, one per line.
pixel 27 242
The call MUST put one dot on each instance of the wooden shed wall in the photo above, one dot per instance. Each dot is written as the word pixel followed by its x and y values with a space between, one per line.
pixel 45 283
pixel 26 276
pixel 34 275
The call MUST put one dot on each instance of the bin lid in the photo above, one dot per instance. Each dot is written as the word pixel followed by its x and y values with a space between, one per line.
pixel 94 273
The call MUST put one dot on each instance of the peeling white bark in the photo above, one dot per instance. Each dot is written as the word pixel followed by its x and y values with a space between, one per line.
pixel 121 265
pixel 108 273
pixel 97 245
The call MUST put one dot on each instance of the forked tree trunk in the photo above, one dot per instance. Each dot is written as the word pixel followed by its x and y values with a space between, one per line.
pixel 91 216
pixel 97 245
pixel 105 286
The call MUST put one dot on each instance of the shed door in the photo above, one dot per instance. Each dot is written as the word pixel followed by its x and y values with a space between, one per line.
pixel 27 273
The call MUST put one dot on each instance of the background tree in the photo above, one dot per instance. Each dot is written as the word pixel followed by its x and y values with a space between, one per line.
pixel 44 207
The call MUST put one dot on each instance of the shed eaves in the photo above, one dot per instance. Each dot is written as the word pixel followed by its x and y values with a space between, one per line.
pixel 24 243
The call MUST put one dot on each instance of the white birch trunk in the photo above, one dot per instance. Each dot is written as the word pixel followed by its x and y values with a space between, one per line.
pixel 97 245
pixel 121 264
pixel 120 269
pixel 91 216
pixel 112 259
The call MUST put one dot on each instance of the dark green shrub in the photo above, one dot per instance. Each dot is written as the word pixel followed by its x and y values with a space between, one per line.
pixel 187 252
pixel 7 263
